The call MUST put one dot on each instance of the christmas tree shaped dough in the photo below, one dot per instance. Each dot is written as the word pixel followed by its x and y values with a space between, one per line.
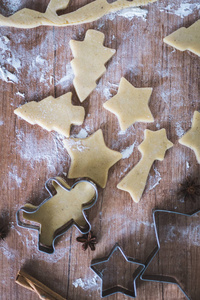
pixel 186 38
pixel 152 148
pixel 53 114
pixel 130 105
pixel 191 138
pixel 64 207
pixel 91 158
pixel 89 61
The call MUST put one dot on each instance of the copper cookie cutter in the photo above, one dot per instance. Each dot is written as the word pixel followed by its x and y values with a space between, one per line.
pixel 60 231
pixel 163 278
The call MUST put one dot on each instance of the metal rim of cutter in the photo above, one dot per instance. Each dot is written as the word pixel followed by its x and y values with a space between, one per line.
pixel 61 182
pixel 162 278
pixel 118 289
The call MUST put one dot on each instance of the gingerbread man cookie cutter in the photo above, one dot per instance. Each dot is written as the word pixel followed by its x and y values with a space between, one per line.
pixel 29 210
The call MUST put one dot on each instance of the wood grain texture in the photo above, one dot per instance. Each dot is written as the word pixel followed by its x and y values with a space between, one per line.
pixel 30 155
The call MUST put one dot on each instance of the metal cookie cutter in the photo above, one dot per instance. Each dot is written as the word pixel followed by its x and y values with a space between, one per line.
pixel 82 225
pixel 162 278
pixel 96 265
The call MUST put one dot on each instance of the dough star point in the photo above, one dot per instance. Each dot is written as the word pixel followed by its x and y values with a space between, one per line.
pixel 130 105
pixel 91 158
pixel 191 138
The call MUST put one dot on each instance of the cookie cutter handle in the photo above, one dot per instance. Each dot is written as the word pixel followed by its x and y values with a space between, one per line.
pixel 23 224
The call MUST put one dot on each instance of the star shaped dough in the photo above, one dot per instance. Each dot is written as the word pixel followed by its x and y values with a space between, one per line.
pixel 53 114
pixel 191 138
pixel 89 61
pixel 91 158
pixel 186 38
pixel 130 105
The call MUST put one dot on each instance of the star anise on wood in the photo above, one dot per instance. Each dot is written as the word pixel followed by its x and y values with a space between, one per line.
pixel 87 240
pixel 189 190
pixel 4 225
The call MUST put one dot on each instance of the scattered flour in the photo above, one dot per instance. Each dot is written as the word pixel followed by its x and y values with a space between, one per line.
pixel 179 130
pixel 82 134
pixel 187 165
pixel 154 180
pixel 13 175
pixel 185 9
pixel 87 284
pixel 12 6
pixel 20 94
pixel 130 13
pixel 68 78
pixel 189 233
pixel 33 150
pixel 126 153
pixel 1 122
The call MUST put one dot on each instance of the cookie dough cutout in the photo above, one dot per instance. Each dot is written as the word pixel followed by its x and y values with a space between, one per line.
pixel 90 57
pixel 53 114
pixel 91 158
pixel 61 209
pixel 28 18
pixel 186 38
pixel 153 147
pixel 191 139
pixel 130 105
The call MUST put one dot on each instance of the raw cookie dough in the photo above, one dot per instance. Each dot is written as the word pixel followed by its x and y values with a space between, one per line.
pixel 130 105
pixel 91 158
pixel 89 61
pixel 28 18
pixel 61 209
pixel 186 38
pixel 191 138
pixel 53 114
pixel 152 148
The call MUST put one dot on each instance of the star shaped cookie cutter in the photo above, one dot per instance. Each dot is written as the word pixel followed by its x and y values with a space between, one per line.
pixel 163 278
pixel 117 288
pixel 29 209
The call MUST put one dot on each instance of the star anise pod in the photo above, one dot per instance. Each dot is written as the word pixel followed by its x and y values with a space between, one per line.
pixel 87 240
pixel 190 189
pixel 4 225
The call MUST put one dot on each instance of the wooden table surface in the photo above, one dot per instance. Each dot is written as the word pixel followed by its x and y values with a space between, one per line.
pixel 34 64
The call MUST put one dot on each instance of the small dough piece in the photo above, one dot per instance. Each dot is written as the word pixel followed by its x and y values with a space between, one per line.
pixel 28 18
pixel 130 105
pixel 89 61
pixel 186 38
pixel 53 114
pixel 91 158
pixel 191 138
pixel 59 210
pixel 153 147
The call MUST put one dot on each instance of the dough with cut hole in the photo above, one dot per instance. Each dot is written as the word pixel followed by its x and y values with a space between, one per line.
pixel 53 114
pixel 186 38
pixel 89 61
pixel 130 105
pixel 91 158
pixel 64 207
pixel 28 18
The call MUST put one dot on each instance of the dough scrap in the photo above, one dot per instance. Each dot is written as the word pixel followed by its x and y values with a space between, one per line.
pixel 186 38
pixel 59 210
pixel 91 158
pixel 53 113
pixel 130 105
pixel 153 147
pixel 27 18
pixel 90 57
pixel 191 138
